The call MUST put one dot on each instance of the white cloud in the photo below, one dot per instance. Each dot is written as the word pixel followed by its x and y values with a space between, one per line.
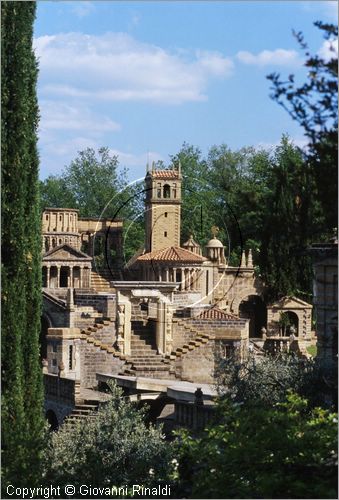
pixel 62 116
pixel 82 9
pixel 277 57
pixel 329 50
pixel 116 67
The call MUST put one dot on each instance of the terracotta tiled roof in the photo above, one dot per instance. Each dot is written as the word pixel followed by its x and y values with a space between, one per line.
pixel 216 313
pixel 165 174
pixel 172 254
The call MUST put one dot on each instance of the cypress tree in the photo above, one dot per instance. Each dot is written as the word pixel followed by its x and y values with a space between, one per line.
pixel 286 266
pixel 22 390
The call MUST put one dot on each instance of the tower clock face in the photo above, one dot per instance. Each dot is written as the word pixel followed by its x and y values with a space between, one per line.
pixel 169 213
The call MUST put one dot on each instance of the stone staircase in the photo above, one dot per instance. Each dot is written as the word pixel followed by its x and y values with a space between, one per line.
pixel 191 336
pixel 144 360
pixel 101 335
pixel 101 278
pixel 87 409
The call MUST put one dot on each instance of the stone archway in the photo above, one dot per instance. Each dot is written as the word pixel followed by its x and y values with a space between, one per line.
pixel 254 309
pixel 289 323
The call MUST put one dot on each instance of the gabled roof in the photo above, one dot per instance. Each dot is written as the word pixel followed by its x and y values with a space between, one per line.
pixel 65 252
pixel 216 313
pixel 172 254
pixel 289 301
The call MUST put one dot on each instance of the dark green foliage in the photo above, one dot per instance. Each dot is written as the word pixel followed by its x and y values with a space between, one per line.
pixel 258 199
pixel 22 393
pixel 286 451
pixel 314 105
pixel 287 225
pixel 115 448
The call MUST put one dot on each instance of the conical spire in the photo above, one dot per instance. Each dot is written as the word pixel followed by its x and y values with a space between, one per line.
pixel 250 258
pixel 243 260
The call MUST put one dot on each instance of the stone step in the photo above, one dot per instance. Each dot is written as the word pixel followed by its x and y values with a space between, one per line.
pixel 147 368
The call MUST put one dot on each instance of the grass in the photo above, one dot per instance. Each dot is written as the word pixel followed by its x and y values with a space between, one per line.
pixel 312 350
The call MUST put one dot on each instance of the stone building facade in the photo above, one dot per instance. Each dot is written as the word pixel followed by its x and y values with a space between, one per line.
pixel 184 309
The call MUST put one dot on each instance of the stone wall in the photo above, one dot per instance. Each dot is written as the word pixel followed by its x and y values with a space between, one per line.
pixel 197 365
pixel 105 303
pixel 58 316
pixel 93 360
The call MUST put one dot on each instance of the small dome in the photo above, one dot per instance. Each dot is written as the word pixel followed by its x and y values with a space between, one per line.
pixel 214 243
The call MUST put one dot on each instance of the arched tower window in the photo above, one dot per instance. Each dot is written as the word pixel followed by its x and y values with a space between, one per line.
pixel 167 191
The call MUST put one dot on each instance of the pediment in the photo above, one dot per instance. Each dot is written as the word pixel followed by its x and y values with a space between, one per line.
pixel 291 303
pixel 65 252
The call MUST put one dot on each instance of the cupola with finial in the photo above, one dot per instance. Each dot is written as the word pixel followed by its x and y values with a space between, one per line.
pixel 215 249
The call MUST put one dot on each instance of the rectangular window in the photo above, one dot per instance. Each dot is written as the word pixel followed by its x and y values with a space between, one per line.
pixel 54 362
pixel 165 234
pixel 54 348
pixel 165 214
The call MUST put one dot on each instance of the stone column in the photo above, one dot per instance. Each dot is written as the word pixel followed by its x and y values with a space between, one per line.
pixel 48 270
pixel 71 276
pixel 188 279
pixel 167 273
pixel 81 275
pixel 58 276
pixel 161 327
pixel 193 274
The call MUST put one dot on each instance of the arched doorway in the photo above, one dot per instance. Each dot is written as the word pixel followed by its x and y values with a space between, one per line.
pixel 289 323
pixel 52 420
pixel 45 324
pixel 254 309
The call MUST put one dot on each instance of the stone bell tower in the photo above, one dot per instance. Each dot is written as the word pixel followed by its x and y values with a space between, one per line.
pixel 163 208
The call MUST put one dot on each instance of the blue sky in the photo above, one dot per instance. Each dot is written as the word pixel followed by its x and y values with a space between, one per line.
pixel 143 77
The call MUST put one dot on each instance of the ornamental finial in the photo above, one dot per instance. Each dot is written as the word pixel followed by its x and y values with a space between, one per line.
pixel 214 230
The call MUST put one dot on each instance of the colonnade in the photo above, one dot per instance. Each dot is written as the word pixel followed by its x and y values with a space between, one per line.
pixel 75 275
pixel 188 277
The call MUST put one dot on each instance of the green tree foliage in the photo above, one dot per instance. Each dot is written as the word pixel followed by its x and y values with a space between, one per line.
pixel 266 380
pixel 89 183
pixel 287 224
pixel 285 451
pixel 22 393
pixel 114 448
pixel 314 105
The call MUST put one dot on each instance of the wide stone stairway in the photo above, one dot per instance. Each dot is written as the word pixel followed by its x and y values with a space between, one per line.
pixel 144 360
pixel 101 279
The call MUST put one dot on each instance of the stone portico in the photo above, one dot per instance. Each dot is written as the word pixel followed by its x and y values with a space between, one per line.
pixel 66 267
